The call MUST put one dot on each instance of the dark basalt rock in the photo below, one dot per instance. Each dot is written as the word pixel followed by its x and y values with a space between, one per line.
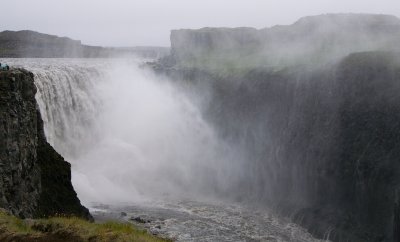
pixel 35 180
pixel 140 220
pixel 20 183
pixel 315 108
pixel 321 145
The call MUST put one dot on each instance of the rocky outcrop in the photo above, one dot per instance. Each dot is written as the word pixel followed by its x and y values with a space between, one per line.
pixel 35 179
pixel 20 173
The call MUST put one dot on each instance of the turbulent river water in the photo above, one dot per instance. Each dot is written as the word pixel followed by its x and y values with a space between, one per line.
pixel 141 151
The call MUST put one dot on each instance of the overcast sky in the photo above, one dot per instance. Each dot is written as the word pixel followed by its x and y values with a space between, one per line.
pixel 148 22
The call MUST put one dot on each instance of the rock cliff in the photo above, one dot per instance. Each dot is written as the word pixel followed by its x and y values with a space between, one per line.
pixel 316 40
pixel 321 146
pixel 320 137
pixel 31 44
pixel 35 180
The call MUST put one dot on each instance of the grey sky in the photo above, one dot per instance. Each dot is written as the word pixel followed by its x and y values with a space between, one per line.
pixel 148 22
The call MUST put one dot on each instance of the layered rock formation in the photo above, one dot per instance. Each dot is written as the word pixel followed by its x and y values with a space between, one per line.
pixel 35 179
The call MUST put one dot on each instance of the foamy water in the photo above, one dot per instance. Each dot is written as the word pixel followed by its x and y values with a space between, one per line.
pixel 206 221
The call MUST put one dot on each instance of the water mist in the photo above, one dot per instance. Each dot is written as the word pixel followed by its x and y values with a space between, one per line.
pixel 130 135
pixel 141 144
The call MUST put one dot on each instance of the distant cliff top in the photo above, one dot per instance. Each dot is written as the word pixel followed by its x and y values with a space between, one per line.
pixel 27 43
pixel 310 40
pixel 346 18
pixel 32 36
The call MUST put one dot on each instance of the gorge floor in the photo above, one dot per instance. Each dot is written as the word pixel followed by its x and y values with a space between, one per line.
pixel 204 221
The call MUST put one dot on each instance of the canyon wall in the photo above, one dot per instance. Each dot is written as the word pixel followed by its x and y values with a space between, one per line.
pixel 320 136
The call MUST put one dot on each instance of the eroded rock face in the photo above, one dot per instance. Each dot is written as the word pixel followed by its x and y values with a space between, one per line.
pixel 20 173
pixel 35 180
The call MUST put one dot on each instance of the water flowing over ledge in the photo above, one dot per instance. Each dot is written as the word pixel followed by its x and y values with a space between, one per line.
pixel 134 138
pixel 318 146
pixel 36 180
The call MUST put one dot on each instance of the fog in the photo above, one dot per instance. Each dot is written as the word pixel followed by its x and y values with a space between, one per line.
pixel 131 23
pixel 130 135
pixel 262 117
pixel 333 36
pixel 151 141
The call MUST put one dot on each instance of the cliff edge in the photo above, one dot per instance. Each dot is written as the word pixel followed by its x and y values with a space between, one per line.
pixel 31 44
pixel 35 180
pixel 315 41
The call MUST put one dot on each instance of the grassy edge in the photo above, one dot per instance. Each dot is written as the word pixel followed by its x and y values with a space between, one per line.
pixel 69 229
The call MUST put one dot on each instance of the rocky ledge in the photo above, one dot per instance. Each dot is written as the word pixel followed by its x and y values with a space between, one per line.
pixel 35 181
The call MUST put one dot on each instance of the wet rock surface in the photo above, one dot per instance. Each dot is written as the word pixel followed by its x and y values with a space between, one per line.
pixel 322 144
pixel 139 220
pixel 35 180
pixel 20 173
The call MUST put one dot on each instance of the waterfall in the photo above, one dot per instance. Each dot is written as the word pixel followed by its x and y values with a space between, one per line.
pixel 69 105
pixel 128 134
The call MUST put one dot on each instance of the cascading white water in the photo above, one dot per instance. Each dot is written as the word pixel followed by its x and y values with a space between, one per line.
pixel 68 100
pixel 129 135
pixel 139 141
pixel 153 141
pixel 69 105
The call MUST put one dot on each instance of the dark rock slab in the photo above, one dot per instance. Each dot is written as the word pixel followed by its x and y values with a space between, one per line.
pixel 35 180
